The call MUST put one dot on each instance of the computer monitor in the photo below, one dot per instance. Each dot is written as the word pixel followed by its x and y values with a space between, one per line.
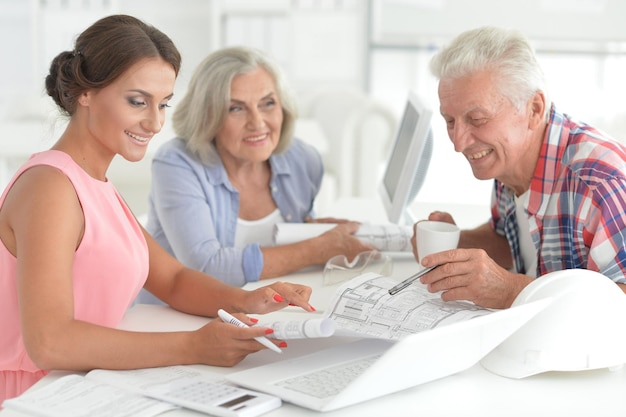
pixel 408 161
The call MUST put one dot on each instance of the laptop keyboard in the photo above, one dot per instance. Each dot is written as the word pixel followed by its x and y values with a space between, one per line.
pixel 328 382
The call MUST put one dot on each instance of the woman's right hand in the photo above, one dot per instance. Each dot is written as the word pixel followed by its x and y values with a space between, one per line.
pixel 223 344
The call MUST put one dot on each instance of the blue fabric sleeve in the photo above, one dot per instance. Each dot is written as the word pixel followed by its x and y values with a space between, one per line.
pixel 187 212
pixel 194 208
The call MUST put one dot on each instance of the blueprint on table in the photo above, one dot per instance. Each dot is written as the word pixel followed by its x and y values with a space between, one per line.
pixel 363 306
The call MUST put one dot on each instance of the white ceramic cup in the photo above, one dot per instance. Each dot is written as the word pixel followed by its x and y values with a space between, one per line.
pixel 432 237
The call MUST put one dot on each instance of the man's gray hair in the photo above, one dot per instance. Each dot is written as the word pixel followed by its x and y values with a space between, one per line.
pixel 506 52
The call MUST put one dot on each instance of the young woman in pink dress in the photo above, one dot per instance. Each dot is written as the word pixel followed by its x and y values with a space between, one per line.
pixel 73 257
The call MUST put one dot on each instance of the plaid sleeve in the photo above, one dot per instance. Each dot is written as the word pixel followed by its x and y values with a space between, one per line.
pixel 606 228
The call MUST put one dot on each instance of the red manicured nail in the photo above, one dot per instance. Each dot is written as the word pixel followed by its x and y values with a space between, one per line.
pixel 269 331
pixel 278 298
pixel 282 344
pixel 253 320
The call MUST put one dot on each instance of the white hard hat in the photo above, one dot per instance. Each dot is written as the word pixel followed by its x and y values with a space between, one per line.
pixel 583 327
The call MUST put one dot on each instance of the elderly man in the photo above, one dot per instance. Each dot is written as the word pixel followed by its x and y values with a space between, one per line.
pixel 559 195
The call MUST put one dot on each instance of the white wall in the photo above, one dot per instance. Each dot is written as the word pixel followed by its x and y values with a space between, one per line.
pixel 581 45
pixel 326 44
pixel 553 21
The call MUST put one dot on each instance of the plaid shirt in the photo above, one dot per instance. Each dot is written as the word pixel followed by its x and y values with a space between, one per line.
pixel 576 205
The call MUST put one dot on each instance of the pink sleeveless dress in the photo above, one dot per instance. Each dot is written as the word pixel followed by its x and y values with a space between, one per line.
pixel 110 268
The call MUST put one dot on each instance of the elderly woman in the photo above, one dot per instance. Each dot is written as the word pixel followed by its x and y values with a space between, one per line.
pixel 234 171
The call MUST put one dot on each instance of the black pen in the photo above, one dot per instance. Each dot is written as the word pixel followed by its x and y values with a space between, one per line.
pixel 396 289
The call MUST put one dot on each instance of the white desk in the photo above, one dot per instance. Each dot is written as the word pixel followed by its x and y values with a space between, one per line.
pixel 474 392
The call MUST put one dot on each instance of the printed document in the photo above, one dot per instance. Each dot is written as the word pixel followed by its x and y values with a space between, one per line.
pixel 363 307
pixel 78 396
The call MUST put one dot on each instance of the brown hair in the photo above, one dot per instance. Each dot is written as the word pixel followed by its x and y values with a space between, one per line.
pixel 102 53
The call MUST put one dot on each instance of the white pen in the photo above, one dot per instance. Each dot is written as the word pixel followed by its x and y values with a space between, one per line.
pixel 229 318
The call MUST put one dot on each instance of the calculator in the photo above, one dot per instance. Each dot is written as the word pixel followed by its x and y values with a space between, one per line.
pixel 219 399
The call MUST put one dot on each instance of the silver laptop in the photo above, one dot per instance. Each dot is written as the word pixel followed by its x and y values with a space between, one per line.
pixel 354 372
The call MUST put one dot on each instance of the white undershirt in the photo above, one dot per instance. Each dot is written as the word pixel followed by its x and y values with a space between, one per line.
pixel 527 248
pixel 257 231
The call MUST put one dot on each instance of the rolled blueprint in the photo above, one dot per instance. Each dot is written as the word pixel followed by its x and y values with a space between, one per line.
pixel 302 329
pixel 383 237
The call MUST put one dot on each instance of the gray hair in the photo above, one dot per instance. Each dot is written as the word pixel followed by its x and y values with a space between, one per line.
pixel 505 51
pixel 202 111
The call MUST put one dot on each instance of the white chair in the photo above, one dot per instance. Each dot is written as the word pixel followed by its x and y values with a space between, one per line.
pixel 359 130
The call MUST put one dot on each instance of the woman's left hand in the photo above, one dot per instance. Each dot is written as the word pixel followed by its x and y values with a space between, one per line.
pixel 277 296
